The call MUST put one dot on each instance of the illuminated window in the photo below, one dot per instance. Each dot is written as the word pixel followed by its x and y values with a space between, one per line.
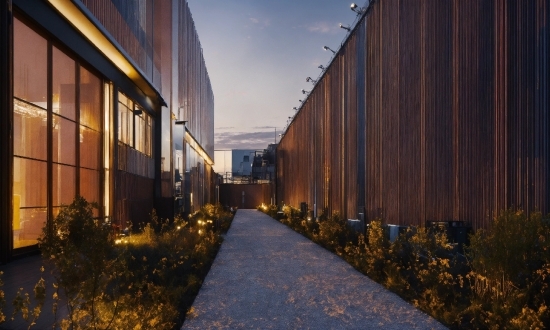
pixel 134 125
pixel 69 120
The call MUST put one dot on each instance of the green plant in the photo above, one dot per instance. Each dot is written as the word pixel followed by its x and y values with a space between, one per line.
pixel 270 210
pixel 136 282
pixel 510 268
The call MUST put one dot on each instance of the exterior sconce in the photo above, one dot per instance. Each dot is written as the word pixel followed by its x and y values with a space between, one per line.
pixel 342 26
pixel 328 48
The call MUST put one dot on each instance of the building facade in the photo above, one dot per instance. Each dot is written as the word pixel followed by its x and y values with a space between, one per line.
pixel 106 99
pixel 429 111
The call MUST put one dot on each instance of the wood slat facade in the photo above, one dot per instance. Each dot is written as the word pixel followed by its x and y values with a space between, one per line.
pixel 430 111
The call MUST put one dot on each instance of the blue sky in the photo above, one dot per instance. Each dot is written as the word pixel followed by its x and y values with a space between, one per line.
pixel 258 54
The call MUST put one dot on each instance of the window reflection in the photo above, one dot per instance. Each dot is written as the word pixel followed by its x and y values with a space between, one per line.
pixel 63 184
pixel 29 130
pixel 90 100
pixel 89 184
pixel 134 125
pixel 63 86
pixel 89 148
pixel 68 137
pixel 63 141
pixel 29 65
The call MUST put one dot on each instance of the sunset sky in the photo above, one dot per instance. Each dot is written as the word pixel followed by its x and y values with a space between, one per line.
pixel 258 54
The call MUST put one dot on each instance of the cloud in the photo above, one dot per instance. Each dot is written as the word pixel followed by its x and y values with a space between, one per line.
pixel 264 127
pixel 243 140
pixel 323 28
pixel 227 127
pixel 260 22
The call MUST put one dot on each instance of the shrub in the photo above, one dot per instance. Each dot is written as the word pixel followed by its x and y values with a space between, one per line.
pixel 510 267
pixel 138 282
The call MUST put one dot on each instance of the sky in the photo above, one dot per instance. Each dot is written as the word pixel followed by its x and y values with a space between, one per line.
pixel 258 54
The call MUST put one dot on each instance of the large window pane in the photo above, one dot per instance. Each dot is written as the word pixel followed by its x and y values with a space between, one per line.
pixel 64 178
pixel 140 132
pixel 63 141
pixel 89 148
pixel 63 71
pixel 27 225
pixel 89 184
pixel 29 65
pixel 90 100
pixel 29 182
pixel 125 120
pixel 29 130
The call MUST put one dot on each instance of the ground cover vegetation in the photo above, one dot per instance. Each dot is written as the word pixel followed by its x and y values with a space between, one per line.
pixel 105 278
pixel 502 281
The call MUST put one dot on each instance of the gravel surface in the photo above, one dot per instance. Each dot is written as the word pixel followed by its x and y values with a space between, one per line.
pixel 266 276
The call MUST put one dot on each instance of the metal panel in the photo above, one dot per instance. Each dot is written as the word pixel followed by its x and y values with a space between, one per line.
pixel 6 126
pixel 439 108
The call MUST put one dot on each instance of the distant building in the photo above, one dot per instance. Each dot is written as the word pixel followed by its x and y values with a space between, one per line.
pixel 263 166
pixel 235 165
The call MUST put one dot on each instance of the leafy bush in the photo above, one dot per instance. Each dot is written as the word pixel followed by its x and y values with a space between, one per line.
pixel 503 283
pixel 510 271
pixel 146 280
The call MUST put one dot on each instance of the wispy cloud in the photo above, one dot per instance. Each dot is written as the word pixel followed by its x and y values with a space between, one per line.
pixel 262 23
pixel 244 140
pixel 264 127
pixel 323 28
pixel 227 127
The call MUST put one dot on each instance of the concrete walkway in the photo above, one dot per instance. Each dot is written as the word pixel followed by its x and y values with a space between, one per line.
pixel 266 276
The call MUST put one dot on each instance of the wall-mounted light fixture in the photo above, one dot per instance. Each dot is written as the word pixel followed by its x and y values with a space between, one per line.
pixel 313 81
pixel 328 48
pixel 138 112
pixel 295 109
pixel 301 101
pixel 342 26
pixel 181 122
pixel 356 8
pixel 321 67
pixel 304 91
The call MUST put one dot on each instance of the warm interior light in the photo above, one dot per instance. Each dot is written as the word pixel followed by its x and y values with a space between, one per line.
pixel 81 22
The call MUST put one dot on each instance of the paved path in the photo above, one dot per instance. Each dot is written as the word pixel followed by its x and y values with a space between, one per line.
pixel 266 276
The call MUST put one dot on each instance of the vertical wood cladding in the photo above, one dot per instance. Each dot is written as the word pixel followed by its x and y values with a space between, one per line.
pixel 431 110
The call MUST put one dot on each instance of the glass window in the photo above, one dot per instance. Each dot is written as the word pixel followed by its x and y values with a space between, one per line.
pixel 29 130
pixel 64 178
pixel 32 109
pixel 125 120
pixel 90 100
pixel 63 141
pixel 29 182
pixel 134 125
pixel 63 86
pixel 89 148
pixel 149 137
pixel 27 227
pixel 29 65
pixel 89 184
